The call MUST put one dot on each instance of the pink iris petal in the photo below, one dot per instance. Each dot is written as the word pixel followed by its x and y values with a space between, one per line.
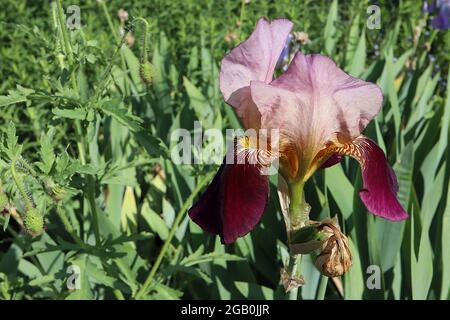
pixel 380 185
pixel 337 102
pixel 253 59
pixel 233 203
pixel 315 102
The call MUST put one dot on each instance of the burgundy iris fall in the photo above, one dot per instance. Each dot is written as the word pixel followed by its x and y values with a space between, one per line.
pixel 320 112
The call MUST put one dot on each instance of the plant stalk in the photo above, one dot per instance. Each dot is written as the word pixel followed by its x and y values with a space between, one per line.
pixel 68 226
pixel 20 186
pixel 299 216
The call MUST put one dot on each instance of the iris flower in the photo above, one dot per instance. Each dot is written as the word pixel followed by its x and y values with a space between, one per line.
pixel 441 21
pixel 320 112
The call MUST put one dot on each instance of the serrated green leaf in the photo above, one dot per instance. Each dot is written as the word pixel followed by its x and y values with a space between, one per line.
pixel 15 96
pixel 115 109
pixel 77 113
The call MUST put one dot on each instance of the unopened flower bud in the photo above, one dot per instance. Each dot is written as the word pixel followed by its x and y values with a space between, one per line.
pixel 54 190
pixel 231 36
pixel 130 40
pixel 335 257
pixel 146 69
pixel 123 15
pixel 33 222
pixel 58 193
pixel 147 72
pixel 302 37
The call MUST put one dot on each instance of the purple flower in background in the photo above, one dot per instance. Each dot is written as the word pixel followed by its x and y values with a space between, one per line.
pixel 441 21
pixel 283 60
pixel 428 7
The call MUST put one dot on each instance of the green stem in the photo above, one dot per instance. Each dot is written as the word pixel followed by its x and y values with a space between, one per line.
pixel 178 219
pixel 19 184
pixel 109 20
pixel 69 53
pixel 299 216
pixel 66 42
pixel 27 166
pixel 92 204
pixel 145 39
pixel 68 226
pixel 117 38
pixel 80 145
pixel 241 18
pixel 79 131
pixel 103 79
pixel 67 46
pixel 322 287
pixel 298 208
pixel 294 272
pixel 118 294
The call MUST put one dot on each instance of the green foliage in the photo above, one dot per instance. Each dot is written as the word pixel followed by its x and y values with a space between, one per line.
pixel 85 146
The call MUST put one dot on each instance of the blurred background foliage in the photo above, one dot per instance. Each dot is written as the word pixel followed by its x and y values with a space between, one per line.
pixel 93 152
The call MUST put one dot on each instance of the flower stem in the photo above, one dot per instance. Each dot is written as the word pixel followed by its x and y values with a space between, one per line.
pixel 298 207
pixel 178 219
pixel 109 20
pixel 20 186
pixel 299 216
pixel 117 38
pixel 322 287
pixel 241 18
pixel 118 294
pixel 67 46
pixel 68 226
pixel 28 167
pixel 78 128
pixel 93 205
pixel 295 273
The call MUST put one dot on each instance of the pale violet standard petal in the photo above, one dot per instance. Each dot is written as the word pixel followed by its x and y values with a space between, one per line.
pixel 337 102
pixel 315 102
pixel 253 59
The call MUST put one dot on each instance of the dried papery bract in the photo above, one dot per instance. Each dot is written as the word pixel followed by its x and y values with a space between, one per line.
pixel 289 281
pixel 335 257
